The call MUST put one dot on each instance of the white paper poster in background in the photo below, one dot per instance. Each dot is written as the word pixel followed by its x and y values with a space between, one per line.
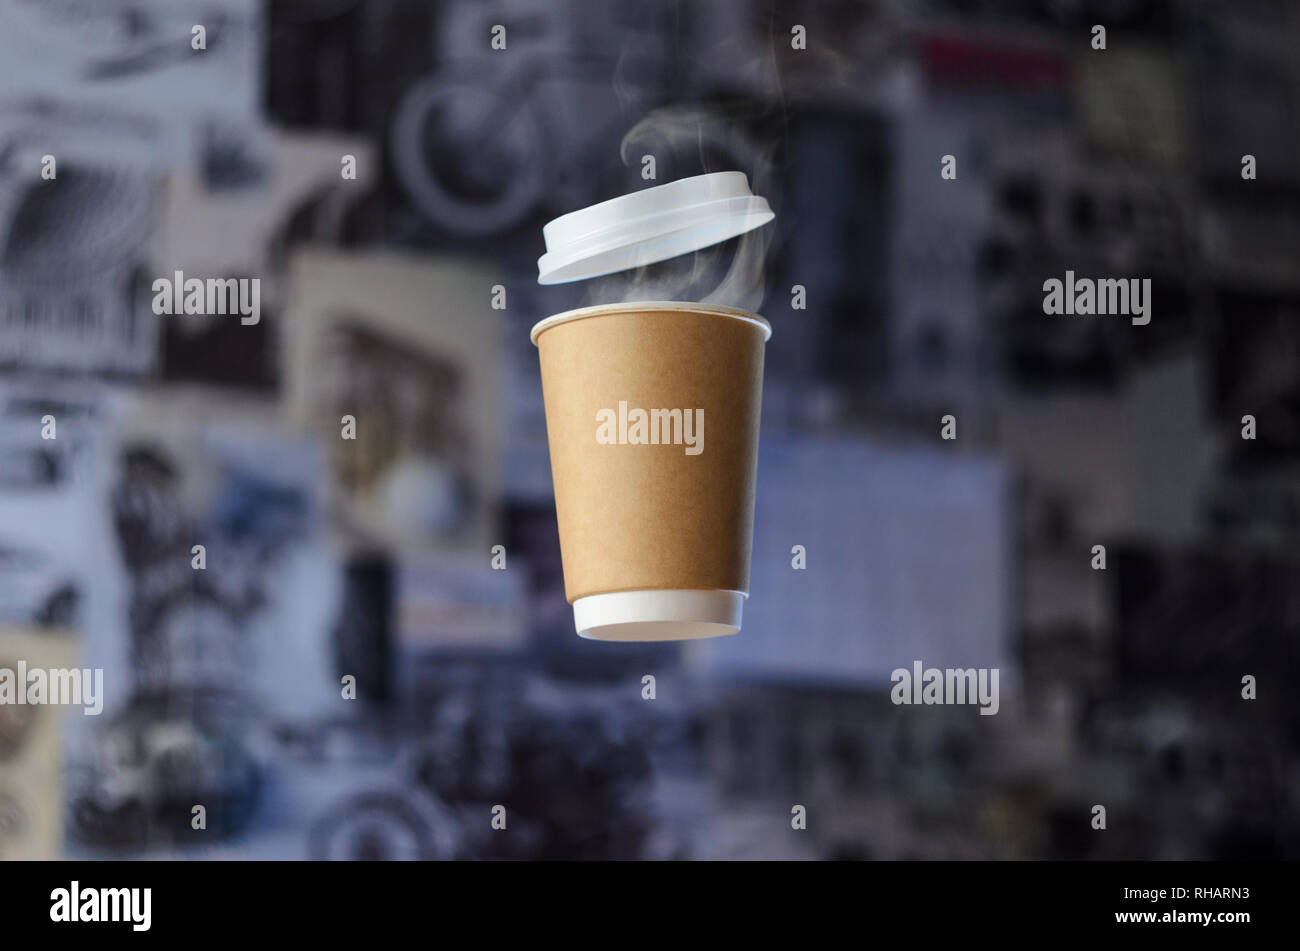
pixel 908 558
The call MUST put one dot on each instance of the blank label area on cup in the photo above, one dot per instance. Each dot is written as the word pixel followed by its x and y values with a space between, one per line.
pixel 634 517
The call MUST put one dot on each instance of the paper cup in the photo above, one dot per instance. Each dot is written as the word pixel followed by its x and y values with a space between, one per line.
pixel 652 413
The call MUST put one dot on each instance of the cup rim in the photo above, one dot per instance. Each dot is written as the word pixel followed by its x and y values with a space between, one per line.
pixel 600 310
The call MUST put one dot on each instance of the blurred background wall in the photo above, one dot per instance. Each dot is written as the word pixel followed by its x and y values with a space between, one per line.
pixel 370 558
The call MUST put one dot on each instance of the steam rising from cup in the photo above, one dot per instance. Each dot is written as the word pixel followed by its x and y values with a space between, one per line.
pixel 728 273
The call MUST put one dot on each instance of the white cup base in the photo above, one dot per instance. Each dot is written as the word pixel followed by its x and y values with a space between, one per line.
pixel 658 615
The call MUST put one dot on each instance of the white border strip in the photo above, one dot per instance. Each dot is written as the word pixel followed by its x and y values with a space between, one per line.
pixel 650 305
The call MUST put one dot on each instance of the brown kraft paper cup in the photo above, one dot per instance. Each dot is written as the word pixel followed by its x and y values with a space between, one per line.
pixel 653 518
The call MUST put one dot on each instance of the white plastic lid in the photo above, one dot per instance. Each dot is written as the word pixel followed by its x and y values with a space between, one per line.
pixel 648 226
